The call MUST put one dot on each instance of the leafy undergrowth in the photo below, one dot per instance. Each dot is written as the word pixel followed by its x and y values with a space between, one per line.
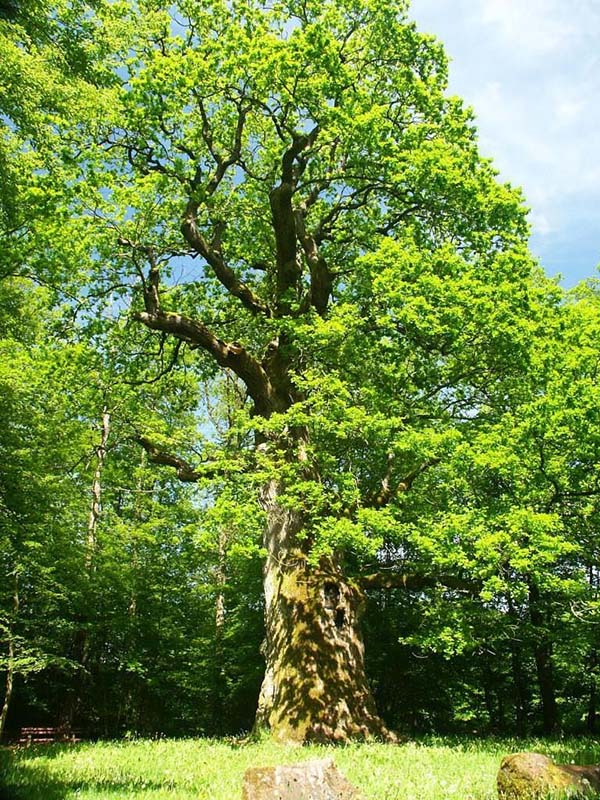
pixel 203 769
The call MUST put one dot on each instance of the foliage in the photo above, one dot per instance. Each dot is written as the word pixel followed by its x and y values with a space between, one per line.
pixel 426 400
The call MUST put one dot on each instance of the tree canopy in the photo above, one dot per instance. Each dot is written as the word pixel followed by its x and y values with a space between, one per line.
pixel 289 316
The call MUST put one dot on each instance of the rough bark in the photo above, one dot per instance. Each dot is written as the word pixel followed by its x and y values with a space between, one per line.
pixel 315 686
pixel 228 355
pixel 185 472
pixel 289 269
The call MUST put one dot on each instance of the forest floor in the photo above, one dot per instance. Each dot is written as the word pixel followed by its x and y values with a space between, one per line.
pixel 206 769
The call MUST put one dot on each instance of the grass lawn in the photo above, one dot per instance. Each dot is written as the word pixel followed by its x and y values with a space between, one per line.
pixel 204 769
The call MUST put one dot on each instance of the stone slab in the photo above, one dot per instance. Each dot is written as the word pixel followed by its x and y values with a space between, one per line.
pixel 309 780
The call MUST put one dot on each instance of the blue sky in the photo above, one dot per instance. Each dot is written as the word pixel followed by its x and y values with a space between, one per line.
pixel 531 71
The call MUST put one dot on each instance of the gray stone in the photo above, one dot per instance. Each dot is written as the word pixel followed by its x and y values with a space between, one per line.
pixel 309 780
pixel 529 776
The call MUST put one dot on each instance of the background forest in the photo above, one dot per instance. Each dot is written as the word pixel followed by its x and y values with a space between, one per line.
pixel 131 596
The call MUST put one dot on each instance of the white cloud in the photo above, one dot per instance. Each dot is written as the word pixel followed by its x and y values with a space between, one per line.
pixel 531 70
pixel 569 110
pixel 539 26
pixel 541 224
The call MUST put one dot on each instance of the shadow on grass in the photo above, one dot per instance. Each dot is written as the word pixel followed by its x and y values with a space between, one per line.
pixel 56 790
pixel 22 778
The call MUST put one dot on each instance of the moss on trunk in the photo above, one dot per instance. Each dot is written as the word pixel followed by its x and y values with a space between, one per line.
pixel 315 686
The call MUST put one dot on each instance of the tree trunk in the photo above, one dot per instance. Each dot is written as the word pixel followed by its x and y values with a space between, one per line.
pixel 10 666
pixel 488 681
pixel 592 712
pixel 521 692
pixel 81 639
pixel 315 687
pixel 9 685
pixel 543 664
pixel 520 687
pixel 489 703
pixel 542 651
pixel 219 651
pixel 96 492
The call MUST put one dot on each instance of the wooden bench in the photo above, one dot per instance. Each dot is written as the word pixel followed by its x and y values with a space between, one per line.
pixel 29 736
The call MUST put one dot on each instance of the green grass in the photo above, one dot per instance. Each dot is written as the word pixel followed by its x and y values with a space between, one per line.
pixel 203 769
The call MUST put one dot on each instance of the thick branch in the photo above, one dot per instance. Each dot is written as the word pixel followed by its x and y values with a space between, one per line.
pixel 228 355
pixel 151 281
pixel 151 285
pixel 213 255
pixel 416 583
pixel 223 162
pixel 321 279
pixel 212 251
pixel 185 472
pixel 284 223
pixel 389 490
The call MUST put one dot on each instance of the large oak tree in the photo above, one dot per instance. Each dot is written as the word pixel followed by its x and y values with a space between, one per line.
pixel 286 191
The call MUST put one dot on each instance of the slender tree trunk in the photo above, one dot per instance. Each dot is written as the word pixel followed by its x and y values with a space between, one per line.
pixel 132 701
pixel 10 666
pixel 543 664
pixel 487 677
pixel 81 639
pixel 8 687
pixel 521 692
pixel 489 703
pixel 137 515
pixel 96 501
pixel 219 666
pixel 520 687
pixel 542 651
pixel 592 710
pixel 315 687
pixel 500 705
